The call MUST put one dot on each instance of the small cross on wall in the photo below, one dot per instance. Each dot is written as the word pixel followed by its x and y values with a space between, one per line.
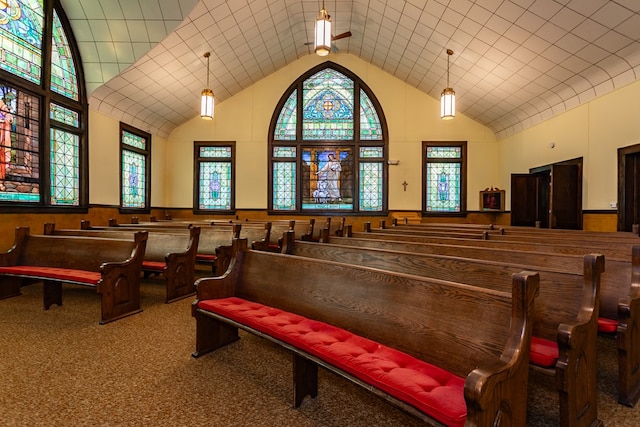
pixel 404 184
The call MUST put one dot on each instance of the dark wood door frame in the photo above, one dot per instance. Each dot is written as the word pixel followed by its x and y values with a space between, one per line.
pixel 628 187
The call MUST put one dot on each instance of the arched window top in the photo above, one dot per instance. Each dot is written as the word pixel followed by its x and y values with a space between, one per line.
pixel 63 71
pixel 21 28
pixel 328 99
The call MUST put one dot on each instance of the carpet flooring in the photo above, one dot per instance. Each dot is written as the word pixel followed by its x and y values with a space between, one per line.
pixel 61 368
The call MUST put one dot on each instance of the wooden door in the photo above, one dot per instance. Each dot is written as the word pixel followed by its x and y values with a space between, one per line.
pixel 628 187
pixel 566 196
pixel 525 190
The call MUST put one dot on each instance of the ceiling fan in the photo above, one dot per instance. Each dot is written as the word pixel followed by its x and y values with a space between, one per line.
pixel 334 48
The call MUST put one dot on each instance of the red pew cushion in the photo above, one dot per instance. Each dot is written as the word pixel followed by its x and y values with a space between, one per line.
pixel 429 388
pixel 543 352
pixel 154 265
pixel 608 326
pixel 66 274
pixel 205 257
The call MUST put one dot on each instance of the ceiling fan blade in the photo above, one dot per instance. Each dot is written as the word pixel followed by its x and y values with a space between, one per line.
pixel 341 36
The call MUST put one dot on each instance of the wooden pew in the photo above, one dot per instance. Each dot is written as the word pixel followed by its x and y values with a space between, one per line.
pixel 565 316
pixel 398 316
pixel 214 246
pixel 620 287
pixel 613 251
pixel 111 266
pixel 172 254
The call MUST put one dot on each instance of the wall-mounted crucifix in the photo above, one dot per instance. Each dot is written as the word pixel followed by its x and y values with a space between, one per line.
pixel 404 184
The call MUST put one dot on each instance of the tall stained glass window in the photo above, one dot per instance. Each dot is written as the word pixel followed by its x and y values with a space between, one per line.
pixel 30 144
pixel 135 151
pixel 328 146
pixel 444 177
pixel 215 176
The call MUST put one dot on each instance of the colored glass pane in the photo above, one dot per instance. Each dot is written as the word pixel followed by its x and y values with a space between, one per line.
pixel 284 186
pixel 443 187
pixel 371 152
pixel 133 140
pixel 370 128
pixel 21 26
pixel 64 115
pixel 284 151
pixel 371 186
pixel 63 71
pixel 133 179
pixel 218 152
pixel 19 145
pixel 65 168
pixel 444 152
pixel 286 124
pixel 215 185
pixel 327 108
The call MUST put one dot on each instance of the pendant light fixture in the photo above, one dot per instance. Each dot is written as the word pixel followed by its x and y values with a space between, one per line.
pixel 206 104
pixel 448 97
pixel 322 39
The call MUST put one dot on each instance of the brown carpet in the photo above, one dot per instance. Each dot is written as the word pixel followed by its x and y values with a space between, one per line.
pixel 61 368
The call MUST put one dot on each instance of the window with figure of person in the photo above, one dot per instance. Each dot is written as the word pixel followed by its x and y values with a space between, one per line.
pixel 328 144
pixel 135 169
pixel 43 163
pixel 214 177
pixel 444 178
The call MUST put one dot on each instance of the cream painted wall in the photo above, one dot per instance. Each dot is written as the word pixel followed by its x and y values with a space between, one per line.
pixel 104 162
pixel 412 117
pixel 593 131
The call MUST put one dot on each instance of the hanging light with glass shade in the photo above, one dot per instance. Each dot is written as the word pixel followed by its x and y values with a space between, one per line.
pixel 448 96
pixel 207 103
pixel 322 40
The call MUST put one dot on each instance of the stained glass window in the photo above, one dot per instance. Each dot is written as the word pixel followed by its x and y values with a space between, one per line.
pixel 369 121
pixel 65 168
pixel 134 168
pixel 64 115
pixel 215 178
pixel 63 71
pixel 21 25
pixel 333 167
pixel 133 179
pixel 286 124
pixel 134 140
pixel 444 177
pixel 62 151
pixel 284 186
pixel 284 152
pixel 371 186
pixel 327 109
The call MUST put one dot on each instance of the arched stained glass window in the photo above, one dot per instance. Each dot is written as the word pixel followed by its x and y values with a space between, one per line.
pixel 63 72
pixel 29 144
pixel 328 146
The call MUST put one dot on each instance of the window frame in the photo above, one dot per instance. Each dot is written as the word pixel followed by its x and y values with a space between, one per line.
pixel 198 160
pixel 47 96
pixel 147 173
pixel 354 144
pixel 463 176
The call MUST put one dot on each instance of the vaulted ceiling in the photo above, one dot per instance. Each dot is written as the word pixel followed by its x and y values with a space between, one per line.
pixel 516 63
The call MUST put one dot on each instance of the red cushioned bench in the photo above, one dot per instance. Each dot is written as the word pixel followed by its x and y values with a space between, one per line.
pixel 445 352
pixel 112 266
pixel 171 253
pixel 565 318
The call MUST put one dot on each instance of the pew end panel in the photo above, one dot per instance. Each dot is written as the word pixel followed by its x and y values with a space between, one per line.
pixel 111 266
pixel 628 337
